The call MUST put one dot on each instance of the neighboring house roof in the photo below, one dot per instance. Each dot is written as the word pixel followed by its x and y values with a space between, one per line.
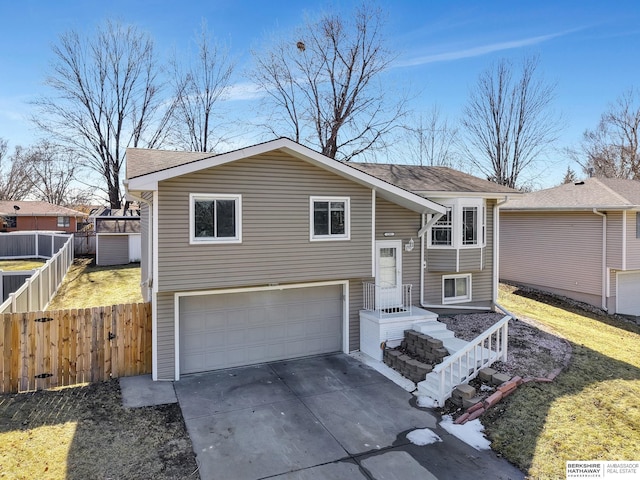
pixel 432 181
pixel 36 208
pixel 599 193
pixel 145 168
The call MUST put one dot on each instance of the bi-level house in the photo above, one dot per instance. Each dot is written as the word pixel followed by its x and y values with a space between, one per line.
pixel 275 251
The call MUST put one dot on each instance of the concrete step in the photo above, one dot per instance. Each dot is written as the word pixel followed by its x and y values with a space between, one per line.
pixel 433 328
pixel 453 344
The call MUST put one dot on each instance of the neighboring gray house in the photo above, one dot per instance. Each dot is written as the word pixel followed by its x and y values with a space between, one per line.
pixel 118 239
pixel 580 240
pixel 268 252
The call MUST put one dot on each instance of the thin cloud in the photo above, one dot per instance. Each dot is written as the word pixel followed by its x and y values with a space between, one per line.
pixel 479 51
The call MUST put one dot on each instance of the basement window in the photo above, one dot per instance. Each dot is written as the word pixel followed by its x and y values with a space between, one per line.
pixel 456 288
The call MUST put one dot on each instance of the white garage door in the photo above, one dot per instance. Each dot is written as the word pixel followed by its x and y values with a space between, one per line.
pixel 229 330
pixel 629 293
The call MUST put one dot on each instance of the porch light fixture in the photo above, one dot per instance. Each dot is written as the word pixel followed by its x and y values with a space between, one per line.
pixel 409 246
pixel 389 234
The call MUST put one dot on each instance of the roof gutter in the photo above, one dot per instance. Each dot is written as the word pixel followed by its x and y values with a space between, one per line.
pixel 604 257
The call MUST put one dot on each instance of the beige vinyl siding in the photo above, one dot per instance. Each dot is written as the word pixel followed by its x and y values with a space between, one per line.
pixel 405 225
pixel 112 249
pixel 611 293
pixel 555 250
pixel 355 305
pixel 470 262
pixel 165 331
pixel 275 247
pixel 470 259
pixel 614 239
pixel 442 259
pixel 633 242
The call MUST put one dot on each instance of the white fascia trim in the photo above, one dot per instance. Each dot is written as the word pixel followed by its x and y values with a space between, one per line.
pixel 154 287
pixel 483 195
pixel 178 296
pixel 345 317
pixel 624 240
pixel 373 232
pixel 420 204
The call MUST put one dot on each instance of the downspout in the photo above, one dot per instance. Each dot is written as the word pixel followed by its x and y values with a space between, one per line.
pixel 604 258
pixel 496 255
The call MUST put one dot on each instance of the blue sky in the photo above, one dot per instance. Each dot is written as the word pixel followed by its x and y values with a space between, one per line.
pixel 588 48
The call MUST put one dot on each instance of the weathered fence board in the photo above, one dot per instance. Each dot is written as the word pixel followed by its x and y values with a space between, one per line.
pixel 41 350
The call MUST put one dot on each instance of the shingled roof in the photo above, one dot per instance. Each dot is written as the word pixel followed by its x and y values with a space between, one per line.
pixel 418 179
pixel 30 208
pixel 142 161
pixel 431 180
pixel 601 193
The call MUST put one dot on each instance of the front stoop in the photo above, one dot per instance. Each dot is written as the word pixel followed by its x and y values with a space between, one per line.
pixel 425 344
pixel 377 332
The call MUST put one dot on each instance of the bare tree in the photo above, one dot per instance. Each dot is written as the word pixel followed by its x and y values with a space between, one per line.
pixel 569 176
pixel 199 89
pixel 106 97
pixel 14 173
pixel 508 121
pixel 323 84
pixel 612 149
pixel 431 140
pixel 52 170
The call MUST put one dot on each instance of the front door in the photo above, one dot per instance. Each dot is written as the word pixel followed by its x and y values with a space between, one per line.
pixel 388 274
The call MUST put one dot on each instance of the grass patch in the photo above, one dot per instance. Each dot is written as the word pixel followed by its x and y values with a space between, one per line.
pixel 88 285
pixel 84 432
pixel 591 411
pixel 28 264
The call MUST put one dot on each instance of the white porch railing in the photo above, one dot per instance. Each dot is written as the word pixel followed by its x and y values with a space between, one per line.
pixel 464 365
pixel 387 300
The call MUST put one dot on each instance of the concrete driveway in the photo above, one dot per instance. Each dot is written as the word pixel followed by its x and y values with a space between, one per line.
pixel 327 417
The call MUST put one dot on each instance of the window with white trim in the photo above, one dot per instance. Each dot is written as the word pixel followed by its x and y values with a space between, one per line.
pixel 329 218
pixel 463 226
pixel 63 221
pixel 215 218
pixel 456 288
pixel 442 230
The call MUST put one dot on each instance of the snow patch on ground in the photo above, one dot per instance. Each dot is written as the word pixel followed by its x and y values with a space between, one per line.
pixel 471 433
pixel 423 436
pixel 426 402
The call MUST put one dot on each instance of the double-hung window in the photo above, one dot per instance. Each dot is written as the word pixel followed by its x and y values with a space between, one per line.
pixel 469 225
pixel 329 218
pixel 63 221
pixel 215 218
pixel 442 230
pixel 462 226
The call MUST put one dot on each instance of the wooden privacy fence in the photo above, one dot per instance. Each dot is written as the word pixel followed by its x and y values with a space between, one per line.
pixel 41 350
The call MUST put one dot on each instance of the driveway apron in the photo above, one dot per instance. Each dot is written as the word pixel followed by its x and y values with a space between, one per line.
pixel 325 417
